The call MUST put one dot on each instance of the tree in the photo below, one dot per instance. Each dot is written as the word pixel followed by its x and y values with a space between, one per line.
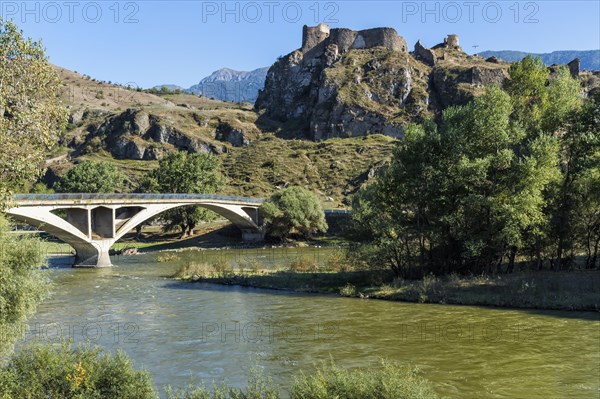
pixel 180 172
pixel 461 197
pixel 31 118
pixel 31 115
pixel 293 210
pixel 91 177
pixel 574 209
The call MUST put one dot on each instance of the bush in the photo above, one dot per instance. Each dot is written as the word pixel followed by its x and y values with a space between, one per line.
pixel 258 387
pixel 303 266
pixel 46 371
pixel 391 381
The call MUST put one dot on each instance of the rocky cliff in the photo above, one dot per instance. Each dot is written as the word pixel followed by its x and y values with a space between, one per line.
pixel 344 83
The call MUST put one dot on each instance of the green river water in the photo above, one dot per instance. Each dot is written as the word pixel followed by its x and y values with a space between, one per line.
pixel 184 332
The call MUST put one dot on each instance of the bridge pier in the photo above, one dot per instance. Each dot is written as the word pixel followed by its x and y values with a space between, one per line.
pixel 94 254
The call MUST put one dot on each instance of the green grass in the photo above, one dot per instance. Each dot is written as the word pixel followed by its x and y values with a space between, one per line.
pixel 333 168
pixel 577 290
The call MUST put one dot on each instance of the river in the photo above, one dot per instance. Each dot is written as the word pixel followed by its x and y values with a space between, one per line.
pixel 184 332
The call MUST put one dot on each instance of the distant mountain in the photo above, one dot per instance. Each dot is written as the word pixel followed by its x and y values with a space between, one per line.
pixel 590 59
pixel 230 85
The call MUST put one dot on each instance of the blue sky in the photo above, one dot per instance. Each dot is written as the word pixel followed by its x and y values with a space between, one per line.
pixel 153 42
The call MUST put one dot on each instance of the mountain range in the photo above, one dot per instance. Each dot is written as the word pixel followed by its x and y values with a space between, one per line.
pixel 589 59
pixel 227 85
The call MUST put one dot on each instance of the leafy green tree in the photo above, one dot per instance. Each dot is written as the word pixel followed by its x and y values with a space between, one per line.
pixel 293 210
pixel 31 115
pixel 460 197
pixel 541 101
pixel 31 118
pixel 180 172
pixel 527 88
pixel 575 205
pixel 91 177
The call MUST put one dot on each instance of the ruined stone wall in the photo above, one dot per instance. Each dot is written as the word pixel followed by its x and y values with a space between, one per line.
pixel 347 39
pixel 313 35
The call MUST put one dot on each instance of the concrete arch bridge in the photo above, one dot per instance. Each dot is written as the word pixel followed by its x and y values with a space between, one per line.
pixel 94 222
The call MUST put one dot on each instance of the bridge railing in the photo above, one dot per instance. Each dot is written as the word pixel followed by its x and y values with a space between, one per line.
pixel 85 196
pixel 135 196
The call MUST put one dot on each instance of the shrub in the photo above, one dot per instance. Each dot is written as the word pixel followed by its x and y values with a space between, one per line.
pixel 348 290
pixel 303 266
pixel 47 371
pixel 258 387
pixel 391 381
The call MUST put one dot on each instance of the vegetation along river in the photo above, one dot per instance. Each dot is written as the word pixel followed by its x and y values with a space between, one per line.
pixel 183 332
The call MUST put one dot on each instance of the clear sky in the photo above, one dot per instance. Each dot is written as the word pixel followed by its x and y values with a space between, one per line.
pixel 147 43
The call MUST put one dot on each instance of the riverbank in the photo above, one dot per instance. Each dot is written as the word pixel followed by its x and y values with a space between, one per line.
pixel 576 290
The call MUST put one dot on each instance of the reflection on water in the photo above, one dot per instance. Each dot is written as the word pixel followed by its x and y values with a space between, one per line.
pixel 182 332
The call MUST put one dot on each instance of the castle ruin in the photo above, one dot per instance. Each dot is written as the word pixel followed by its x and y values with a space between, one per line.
pixel 321 36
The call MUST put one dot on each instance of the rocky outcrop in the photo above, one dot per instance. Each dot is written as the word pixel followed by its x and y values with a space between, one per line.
pixel 344 83
pixel 341 83
pixel 487 76
pixel 574 68
pixel 138 135
pixel 237 137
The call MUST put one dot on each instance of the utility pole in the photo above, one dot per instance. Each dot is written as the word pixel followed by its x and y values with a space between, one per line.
pixel 475 47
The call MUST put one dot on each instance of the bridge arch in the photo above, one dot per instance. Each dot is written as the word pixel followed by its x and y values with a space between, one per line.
pixel 94 223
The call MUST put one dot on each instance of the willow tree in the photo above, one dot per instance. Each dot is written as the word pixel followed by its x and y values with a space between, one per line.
pixel 31 114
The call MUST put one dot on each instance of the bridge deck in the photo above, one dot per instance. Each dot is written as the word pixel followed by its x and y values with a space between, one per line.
pixel 126 199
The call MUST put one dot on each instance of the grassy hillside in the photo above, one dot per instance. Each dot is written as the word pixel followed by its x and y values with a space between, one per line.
pixel 103 114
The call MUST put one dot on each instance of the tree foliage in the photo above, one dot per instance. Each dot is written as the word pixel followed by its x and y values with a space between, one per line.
pixel 181 172
pixel 91 177
pixel 293 210
pixel 514 171
pixel 31 115
pixel 22 284
pixel 574 201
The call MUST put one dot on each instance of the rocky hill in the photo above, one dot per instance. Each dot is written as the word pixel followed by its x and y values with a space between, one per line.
pixel 350 93
pixel 133 129
pixel 590 59
pixel 344 83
